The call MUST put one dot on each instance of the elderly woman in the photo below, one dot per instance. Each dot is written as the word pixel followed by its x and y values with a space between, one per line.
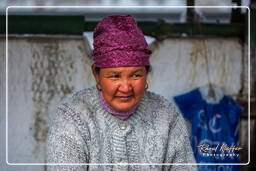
pixel 118 121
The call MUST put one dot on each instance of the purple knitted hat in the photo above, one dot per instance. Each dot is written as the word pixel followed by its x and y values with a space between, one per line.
pixel 118 42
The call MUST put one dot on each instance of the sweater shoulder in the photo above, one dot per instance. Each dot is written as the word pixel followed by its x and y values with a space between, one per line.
pixel 158 103
pixel 154 97
pixel 83 96
pixel 79 104
pixel 166 112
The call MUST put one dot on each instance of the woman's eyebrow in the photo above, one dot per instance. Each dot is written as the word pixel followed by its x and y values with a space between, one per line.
pixel 113 72
pixel 139 70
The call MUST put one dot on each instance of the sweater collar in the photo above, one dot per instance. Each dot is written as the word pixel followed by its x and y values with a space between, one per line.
pixel 122 115
pixel 94 104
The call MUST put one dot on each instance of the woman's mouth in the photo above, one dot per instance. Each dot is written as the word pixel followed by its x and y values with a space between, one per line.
pixel 124 98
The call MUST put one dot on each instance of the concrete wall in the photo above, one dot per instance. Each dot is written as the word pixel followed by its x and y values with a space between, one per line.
pixel 43 70
pixel 40 73
pixel 179 65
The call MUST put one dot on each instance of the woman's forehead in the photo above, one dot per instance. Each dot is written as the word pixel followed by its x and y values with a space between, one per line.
pixel 123 69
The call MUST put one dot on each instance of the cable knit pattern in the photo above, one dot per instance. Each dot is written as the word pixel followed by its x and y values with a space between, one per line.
pixel 84 132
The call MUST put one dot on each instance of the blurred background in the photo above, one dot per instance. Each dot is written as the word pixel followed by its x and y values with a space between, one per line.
pixel 49 56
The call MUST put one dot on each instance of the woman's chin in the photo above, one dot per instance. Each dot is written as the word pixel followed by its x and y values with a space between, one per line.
pixel 124 108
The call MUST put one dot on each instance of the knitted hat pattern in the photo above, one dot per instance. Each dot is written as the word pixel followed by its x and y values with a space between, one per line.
pixel 118 42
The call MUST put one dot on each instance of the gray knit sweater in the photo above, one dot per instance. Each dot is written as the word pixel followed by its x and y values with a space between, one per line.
pixel 84 132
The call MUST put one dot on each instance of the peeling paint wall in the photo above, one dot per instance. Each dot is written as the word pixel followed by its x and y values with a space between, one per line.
pixel 43 70
pixel 180 65
pixel 40 71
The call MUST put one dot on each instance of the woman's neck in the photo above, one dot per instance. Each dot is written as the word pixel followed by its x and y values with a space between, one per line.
pixel 123 115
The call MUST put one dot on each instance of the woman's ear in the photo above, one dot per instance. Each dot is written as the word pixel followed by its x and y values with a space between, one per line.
pixel 95 74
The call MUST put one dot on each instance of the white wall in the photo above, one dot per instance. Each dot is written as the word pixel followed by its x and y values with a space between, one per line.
pixel 179 65
pixel 40 73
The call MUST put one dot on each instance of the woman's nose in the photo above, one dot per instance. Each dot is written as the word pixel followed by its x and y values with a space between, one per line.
pixel 125 86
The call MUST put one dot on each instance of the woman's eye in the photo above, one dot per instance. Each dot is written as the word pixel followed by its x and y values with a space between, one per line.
pixel 136 75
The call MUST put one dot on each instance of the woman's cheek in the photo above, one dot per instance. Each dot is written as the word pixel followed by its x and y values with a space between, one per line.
pixel 140 87
pixel 112 87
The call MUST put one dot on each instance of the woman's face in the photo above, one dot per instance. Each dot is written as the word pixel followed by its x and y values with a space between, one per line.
pixel 122 87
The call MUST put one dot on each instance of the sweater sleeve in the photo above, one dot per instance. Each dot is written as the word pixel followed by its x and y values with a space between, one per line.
pixel 65 143
pixel 179 149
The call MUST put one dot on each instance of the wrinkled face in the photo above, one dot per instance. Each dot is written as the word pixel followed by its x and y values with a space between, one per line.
pixel 122 87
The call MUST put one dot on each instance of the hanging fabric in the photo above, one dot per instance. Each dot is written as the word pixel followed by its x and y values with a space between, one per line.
pixel 215 124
